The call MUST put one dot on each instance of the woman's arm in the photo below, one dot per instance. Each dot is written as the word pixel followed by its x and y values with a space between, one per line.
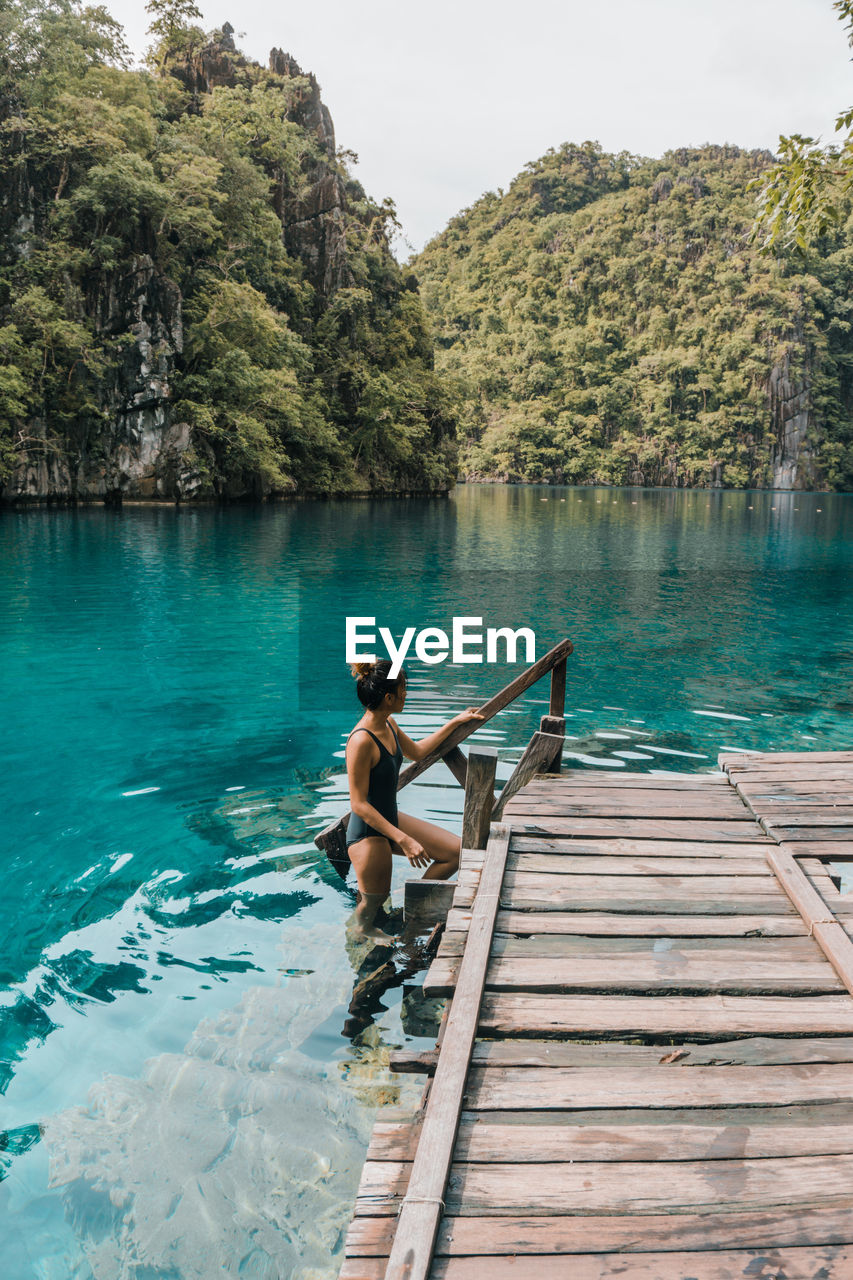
pixel 420 750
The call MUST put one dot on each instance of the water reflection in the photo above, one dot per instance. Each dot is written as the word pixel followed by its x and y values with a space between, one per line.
pixel 382 968
pixel 244 1146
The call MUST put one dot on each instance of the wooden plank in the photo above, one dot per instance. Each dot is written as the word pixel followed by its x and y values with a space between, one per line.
pixel 611 778
pixel 546 1088
pixel 658 806
pixel 732 950
pixel 731 760
pixel 589 847
pixel 802 768
pixel 596 1187
pixel 479 796
pixel 828 1262
pixel 775 1227
pixel 822 924
pixel 804 773
pixel 819 876
pixel 640 828
pixel 608 1187
pixel 799 816
pixel 411 1252
pixel 523 884
pixel 831 851
pixel 650 895
pixel 748 1051
pixel 605 924
pixel 784 831
pixel 633 1016
pixel 602 865
pixel 677 902
pixel 667 971
pixel 716 1133
pixel 574 781
pixel 806 789
pixel 836 807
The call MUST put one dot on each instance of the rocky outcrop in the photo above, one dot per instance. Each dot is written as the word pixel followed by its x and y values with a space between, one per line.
pixel 313 217
pixel 140 453
pixel 137 451
pixel 312 212
pixel 216 63
pixel 793 463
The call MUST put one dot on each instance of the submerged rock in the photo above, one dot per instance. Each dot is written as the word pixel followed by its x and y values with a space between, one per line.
pixel 242 1154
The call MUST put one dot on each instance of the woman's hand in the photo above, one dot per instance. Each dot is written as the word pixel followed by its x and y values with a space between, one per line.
pixel 470 713
pixel 415 852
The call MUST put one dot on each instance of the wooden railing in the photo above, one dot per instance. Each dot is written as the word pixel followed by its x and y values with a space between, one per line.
pixel 543 754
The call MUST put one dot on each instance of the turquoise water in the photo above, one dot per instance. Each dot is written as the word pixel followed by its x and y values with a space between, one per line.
pixel 185 1089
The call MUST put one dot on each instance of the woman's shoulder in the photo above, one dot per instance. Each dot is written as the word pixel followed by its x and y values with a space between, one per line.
pixel 364 736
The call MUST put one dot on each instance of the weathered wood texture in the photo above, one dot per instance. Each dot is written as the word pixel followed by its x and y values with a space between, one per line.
pixel 541 750
pixel 479 796
pixel 778 1227
pixel 822 1262
pixel 812 893
pixel 421 1211
pixel 655 1076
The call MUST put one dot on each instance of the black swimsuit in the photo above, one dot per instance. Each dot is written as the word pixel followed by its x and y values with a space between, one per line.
pixel 381 789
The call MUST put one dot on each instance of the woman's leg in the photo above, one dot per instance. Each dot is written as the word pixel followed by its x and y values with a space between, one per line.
pixel 371 860
pixel 442 846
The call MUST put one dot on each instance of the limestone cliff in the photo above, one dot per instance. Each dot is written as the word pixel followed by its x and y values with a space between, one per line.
pixel 140 452
pixel 134 291
pixel 793 460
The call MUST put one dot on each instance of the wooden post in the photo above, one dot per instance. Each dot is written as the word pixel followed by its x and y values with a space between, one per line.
pixel 479 797
pixel 427 901
pixel 555 725
pixel 558 690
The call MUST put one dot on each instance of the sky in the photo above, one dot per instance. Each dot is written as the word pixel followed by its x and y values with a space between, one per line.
pixel 446 100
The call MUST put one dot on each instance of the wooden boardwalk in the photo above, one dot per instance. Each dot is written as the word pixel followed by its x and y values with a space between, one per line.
pixel 646 1070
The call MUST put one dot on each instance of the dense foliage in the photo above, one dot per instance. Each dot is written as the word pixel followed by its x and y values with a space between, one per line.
pixel 805 192
pixel 609 320
pixel 286 382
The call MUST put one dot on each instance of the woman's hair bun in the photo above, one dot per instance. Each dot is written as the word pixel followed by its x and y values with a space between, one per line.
pixel 373 681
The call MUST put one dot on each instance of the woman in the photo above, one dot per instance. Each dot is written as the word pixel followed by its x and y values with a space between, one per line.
pixel 376 829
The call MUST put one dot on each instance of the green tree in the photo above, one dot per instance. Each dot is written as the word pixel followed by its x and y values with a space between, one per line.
pixel 156 242
pixel 626 331
pixel 806 192
pixel 171 17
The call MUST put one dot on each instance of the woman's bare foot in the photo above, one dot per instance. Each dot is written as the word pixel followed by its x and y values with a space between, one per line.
pixel 362 926
pixel 371 934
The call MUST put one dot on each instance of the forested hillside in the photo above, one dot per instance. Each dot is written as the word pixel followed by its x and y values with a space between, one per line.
pixel 197 299
pixel 609 320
